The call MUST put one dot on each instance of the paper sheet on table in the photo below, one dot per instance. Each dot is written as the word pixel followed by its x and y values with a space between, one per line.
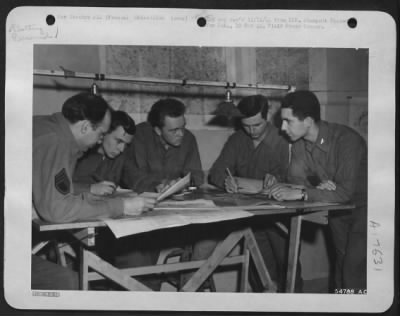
pixel 173 214
pixel 186 204
pixel 249 186
pixel 178 186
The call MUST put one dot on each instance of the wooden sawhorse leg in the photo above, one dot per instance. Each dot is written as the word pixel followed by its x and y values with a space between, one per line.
pixel 220 257
pixel 91 261
pixel 293 257
pixel 222 250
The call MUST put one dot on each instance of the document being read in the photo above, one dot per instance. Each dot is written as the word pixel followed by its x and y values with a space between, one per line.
pixel 176 187
pixel 173 214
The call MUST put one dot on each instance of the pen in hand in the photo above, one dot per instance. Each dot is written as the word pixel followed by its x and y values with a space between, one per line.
pixel 233 181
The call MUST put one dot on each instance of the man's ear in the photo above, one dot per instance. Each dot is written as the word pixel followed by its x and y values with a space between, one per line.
pixel 85 124
pixel 309 121
pixel 157 130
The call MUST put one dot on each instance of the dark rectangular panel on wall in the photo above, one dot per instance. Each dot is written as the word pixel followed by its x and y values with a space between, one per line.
pixel 191 63
pixel 283 66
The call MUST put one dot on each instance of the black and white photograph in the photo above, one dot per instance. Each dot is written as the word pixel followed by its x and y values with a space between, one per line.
pixel 245 163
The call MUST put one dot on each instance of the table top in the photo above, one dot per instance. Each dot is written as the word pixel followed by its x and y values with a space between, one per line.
pixel 255 203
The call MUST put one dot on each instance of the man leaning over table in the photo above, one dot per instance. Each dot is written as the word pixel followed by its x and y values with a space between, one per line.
pixel 162 151
pixel 102 169
pixel 254 154
pixel 58 141
pixel 330 160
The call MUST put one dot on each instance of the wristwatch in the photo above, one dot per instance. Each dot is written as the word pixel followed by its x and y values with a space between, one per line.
pixel 303 195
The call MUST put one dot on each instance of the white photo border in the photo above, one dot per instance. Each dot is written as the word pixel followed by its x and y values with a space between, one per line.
pixel 26 26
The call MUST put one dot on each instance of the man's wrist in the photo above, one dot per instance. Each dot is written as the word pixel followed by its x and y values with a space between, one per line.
pixel 303 194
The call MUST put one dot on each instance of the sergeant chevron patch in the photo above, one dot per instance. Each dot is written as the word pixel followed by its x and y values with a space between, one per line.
pixel 62 182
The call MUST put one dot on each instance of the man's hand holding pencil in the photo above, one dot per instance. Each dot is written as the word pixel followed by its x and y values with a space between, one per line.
pixel 231 184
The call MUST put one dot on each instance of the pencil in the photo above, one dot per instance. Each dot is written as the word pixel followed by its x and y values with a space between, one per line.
pixel 229 173
pixel 233 179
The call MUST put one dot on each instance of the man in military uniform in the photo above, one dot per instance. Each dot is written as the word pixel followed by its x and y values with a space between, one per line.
pixel 256 155
pixel 102 169
pixel 330 161
pixel 164 149
pixel 58 141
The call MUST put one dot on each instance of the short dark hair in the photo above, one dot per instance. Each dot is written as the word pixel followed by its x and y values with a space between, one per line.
pixel 121 118
pixel 304 104
pixel 85 106
pixel 254 104
pixel 163 108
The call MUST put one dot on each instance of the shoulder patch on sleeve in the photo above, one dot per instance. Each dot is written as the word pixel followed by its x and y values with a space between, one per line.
pixel 61 182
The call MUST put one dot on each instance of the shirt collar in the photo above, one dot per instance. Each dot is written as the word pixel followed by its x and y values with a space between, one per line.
pixel 266 138
pixel 160 141
pixel 322 141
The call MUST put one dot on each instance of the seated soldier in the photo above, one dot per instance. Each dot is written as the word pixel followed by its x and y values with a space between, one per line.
pixel 253 157
pixel 101 170
pixel 255 152
pixel 164 149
